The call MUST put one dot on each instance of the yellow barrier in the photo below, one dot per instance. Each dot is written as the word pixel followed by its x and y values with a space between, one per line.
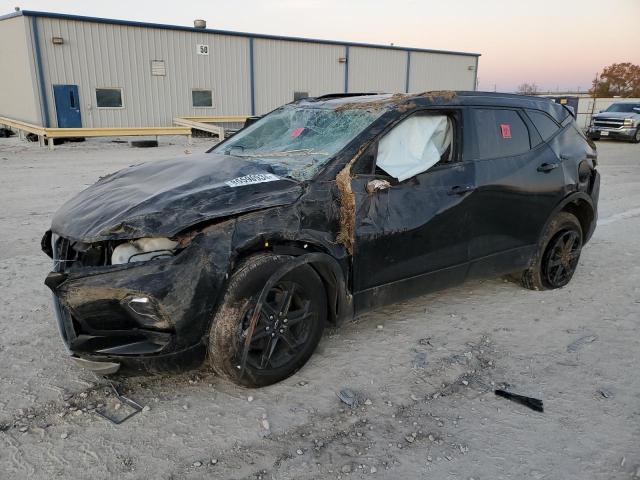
pixel 115 132
pixel 228 119
pixel 48 134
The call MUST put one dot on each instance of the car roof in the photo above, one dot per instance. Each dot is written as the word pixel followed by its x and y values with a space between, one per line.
pixel 440 97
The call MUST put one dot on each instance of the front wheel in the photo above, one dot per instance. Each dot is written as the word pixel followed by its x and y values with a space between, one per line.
pixel 557 256
pixel 289 326
pixel 636 137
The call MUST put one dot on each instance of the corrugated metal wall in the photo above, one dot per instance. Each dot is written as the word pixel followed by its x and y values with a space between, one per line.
pixel 377 70
pixel 283 67
pixel 437 71
pixel 103 55
pixel 18 89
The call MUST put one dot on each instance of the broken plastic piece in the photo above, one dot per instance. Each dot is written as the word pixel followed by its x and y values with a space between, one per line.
pixel 125 401
pixel 532 403
pixel 349 397
pixel 580 342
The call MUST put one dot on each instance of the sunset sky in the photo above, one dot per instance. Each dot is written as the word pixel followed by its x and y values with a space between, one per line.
pixel 558 44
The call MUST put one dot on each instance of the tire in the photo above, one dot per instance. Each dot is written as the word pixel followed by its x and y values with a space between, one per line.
pixel 144 143
pixel 636 137
pixel 557 256
pixel 230 324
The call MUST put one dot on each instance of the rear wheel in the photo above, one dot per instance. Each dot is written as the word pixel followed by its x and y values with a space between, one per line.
pixel 558 254
pixel 289 326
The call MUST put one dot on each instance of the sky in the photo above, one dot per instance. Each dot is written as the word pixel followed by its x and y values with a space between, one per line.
pixel 557 44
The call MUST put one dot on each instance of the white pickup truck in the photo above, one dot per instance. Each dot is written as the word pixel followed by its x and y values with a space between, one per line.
pixel 621 120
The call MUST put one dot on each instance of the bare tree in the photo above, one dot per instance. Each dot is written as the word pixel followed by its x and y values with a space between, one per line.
pixel 527 88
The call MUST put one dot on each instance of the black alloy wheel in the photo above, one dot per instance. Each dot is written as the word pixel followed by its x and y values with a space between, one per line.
pixel 561 258
pixel 557 254
pixel 282 330
pixel 287 330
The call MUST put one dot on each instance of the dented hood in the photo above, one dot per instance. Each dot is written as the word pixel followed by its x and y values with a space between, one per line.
pixel 165 197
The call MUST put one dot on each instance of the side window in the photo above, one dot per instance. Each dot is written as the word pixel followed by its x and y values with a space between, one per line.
pixel 499 133
pixel 545 125
pixel 415 145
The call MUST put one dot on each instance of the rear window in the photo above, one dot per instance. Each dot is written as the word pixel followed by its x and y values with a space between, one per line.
pixel 545 125
pixel 499 133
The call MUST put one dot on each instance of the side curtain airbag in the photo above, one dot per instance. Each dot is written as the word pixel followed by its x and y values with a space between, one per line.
pixel 414 146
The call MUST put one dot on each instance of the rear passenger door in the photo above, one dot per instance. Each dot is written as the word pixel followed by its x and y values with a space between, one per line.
pixel 519 181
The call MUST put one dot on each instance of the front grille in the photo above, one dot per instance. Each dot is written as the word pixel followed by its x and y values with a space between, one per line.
pixel 608 122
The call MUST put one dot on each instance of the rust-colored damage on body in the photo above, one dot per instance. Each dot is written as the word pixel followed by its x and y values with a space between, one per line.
pixel 346 235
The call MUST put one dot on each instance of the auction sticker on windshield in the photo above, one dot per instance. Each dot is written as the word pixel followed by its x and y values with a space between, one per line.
pixel 251 179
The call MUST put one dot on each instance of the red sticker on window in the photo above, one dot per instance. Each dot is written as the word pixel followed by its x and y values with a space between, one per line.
pixel 297 132
pixel 506 130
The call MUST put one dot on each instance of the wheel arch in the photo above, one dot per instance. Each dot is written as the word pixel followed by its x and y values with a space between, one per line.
pixel 581 206
pixel 331 273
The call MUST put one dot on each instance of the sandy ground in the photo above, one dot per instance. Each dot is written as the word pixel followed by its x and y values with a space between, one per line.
pixel 426 367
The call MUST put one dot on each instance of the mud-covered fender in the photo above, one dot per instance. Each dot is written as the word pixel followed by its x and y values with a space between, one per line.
pixel 582 206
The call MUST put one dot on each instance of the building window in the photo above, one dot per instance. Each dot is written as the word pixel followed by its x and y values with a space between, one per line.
pixel 158 68
pixel 109 97
pixel 202 98
pixel 300 95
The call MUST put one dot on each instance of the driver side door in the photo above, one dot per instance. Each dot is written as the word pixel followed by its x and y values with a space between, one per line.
pixel 412 237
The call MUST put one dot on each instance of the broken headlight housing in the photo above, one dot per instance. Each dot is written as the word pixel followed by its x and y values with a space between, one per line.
pixel 142 250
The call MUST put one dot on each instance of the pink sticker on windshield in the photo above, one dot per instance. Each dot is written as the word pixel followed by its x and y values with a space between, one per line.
pixel 297 132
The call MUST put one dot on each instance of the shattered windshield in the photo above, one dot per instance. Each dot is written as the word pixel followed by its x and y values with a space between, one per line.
pixel 296 141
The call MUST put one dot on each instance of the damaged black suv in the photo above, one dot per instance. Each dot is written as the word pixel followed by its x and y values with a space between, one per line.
pixel 319 211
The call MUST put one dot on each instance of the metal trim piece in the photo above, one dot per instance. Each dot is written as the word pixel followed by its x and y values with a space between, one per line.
pixel 252 77
pixel 100 368
pixel 137 408
pixel 475 81
pixel 406 85
pixel 346 69
pixel 44 102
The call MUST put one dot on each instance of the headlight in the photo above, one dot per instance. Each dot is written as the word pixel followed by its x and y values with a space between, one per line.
pixel 142 250
pixel 629 122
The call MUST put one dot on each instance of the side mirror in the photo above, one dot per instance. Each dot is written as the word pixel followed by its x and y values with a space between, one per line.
pixel 377 185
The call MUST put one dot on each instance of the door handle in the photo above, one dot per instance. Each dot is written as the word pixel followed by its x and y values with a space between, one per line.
pixel 547 167
pixel 461 189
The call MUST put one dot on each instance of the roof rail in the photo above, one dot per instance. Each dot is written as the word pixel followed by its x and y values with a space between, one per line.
pixel 344 95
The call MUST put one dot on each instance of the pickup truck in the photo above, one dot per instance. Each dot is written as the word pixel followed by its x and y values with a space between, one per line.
pixel 621 120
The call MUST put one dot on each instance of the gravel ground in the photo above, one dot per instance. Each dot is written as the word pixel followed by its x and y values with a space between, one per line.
pixel 424 370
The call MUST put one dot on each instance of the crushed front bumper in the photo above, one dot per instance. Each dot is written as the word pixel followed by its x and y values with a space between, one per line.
pixel 146 316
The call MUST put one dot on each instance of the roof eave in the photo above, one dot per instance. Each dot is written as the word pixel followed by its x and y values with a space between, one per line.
pixel 132 23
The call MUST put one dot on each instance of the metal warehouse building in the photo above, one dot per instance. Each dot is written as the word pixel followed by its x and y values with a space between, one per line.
pixel 70 71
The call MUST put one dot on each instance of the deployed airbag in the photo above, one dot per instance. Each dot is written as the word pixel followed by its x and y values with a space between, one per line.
pixel 414 146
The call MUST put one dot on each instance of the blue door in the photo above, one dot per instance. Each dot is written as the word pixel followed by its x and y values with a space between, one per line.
pixel 67 106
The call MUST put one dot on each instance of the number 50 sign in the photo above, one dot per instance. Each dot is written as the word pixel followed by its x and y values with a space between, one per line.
pixel 202 49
